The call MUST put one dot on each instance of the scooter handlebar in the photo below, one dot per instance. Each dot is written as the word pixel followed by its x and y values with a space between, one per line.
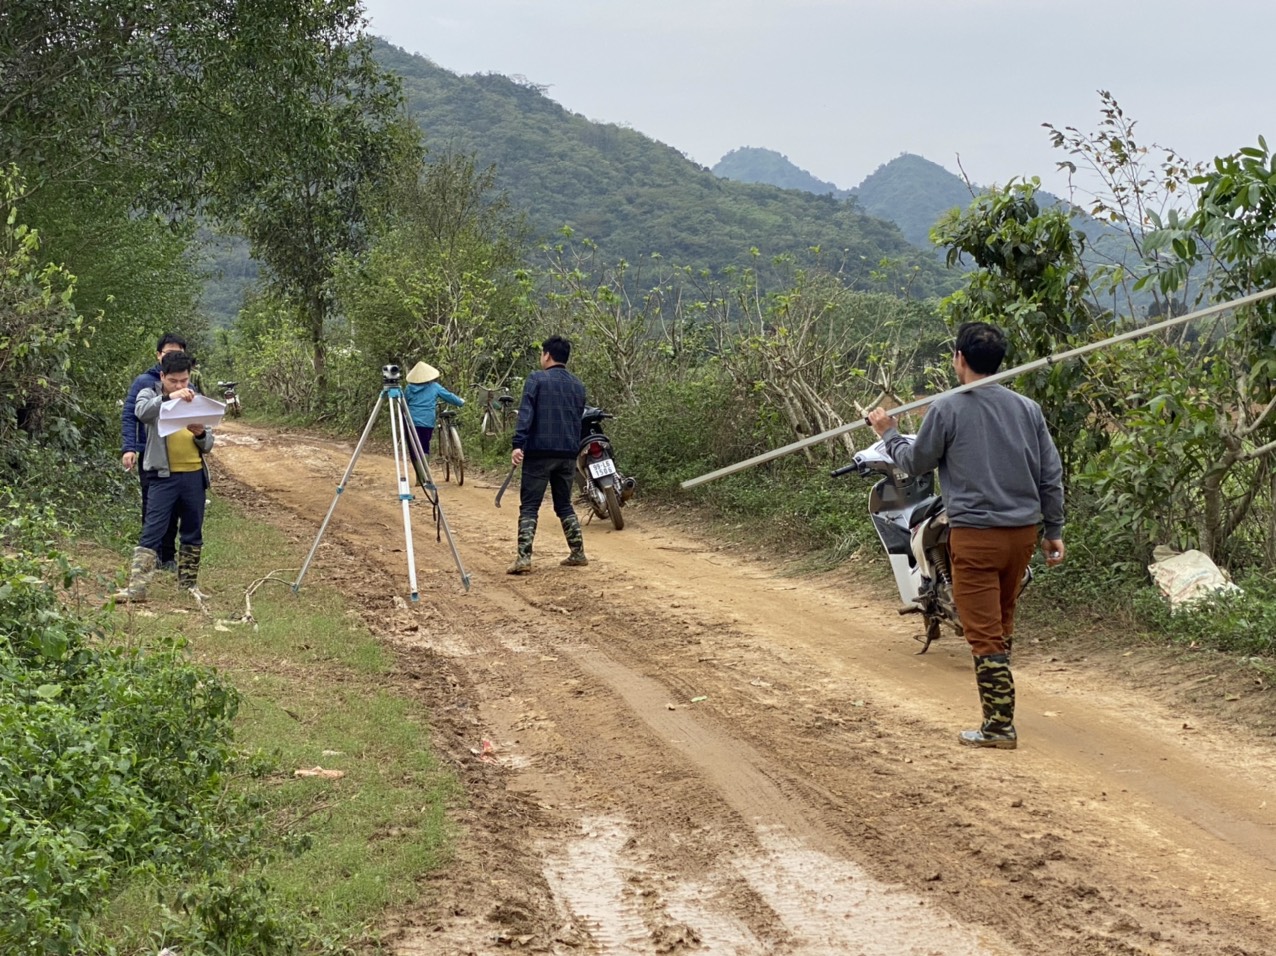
pixel 844 470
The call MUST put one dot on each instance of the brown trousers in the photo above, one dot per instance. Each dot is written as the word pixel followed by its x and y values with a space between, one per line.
pixel 988 566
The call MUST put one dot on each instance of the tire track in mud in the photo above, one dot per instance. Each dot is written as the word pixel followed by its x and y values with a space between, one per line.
pixel 752 819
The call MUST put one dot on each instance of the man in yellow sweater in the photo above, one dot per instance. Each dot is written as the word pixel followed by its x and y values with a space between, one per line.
pixel 179 479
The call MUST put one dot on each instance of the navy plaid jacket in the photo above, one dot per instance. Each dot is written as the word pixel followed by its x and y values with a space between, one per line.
pixel 549 416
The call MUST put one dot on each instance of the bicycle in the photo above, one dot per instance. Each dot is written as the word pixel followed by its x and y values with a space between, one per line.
pixel 499 413
pixel 449 442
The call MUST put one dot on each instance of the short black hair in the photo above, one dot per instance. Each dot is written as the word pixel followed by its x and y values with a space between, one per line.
pixel 983 345
pixel 176 362
pixel 559 348
pixel 170 338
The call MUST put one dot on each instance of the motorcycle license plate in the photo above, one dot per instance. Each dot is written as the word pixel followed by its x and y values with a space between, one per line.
pixel 601 469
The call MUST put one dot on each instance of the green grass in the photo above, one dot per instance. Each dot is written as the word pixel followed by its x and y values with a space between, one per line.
pixel 317 691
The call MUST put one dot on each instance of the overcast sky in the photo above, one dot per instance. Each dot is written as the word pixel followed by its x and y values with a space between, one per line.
pixel 843 86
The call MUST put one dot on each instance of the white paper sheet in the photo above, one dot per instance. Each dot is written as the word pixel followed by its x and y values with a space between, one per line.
pixel 176 414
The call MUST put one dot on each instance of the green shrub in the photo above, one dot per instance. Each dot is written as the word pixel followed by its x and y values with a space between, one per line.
pixel 89 489
pixel 112 757
pixel 1242 623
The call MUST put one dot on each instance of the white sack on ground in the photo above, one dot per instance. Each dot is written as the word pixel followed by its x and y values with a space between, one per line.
pixel 1188 577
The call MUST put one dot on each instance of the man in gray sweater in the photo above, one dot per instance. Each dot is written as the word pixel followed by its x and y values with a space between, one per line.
pixel 1001 477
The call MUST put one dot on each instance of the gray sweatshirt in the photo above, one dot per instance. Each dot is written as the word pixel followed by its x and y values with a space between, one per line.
pixel 998 466
pixel 155 458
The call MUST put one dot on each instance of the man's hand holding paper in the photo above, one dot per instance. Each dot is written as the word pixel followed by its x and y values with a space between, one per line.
pixel 186 408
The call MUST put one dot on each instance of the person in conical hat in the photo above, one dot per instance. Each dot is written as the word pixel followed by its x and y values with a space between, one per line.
pixel 423 394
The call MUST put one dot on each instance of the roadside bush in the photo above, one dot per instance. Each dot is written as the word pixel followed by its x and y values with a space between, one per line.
pixel 1241 623
pixel 113 759
pixel 88 487
pixel 673 433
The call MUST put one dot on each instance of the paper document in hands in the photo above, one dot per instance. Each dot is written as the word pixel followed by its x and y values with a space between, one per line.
pixel 175 414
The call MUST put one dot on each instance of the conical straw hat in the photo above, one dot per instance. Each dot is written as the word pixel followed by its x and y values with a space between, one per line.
pixel 422 373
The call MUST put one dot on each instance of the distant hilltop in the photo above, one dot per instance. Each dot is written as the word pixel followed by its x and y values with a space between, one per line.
pixel 910 191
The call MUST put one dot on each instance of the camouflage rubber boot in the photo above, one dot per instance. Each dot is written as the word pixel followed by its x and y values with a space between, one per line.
pixel 997 698
pixel 188 569
pixel 575 541
pixel 526 534
pixel 1010 640
pixel 144 567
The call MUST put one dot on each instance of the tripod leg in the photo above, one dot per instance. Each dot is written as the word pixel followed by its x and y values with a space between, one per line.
pixel 432 492
pixel 367 430
pixel 400 424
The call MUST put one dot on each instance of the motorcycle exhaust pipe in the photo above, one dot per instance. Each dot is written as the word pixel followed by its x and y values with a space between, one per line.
pixel 627 489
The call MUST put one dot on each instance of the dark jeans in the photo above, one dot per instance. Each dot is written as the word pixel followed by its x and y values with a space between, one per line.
pixel 558 473
pixel 167 549
pixel 175 500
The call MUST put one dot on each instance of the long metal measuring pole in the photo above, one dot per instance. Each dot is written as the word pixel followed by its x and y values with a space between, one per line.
pixel 989 380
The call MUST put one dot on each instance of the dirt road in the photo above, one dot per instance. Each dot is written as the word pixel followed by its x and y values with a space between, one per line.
pixel 678 749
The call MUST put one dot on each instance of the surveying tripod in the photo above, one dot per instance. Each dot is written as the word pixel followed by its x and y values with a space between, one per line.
pixel 407 453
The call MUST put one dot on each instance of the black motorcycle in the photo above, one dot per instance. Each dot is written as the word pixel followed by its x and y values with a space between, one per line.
pixel 230 397
pixel 597 477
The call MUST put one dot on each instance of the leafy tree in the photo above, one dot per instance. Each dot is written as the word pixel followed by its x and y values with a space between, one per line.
pixel 442 279
pixel 639 320
pixel 39 328
pixel 1188 413
pixel 269 348
pixel 1139 186
pixel 1030 281
pixel 1233 229
pixel 303 197
pixel 133 272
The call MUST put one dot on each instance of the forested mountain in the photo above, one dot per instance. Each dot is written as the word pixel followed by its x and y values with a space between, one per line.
pixel 630 194
pixel 752 164
pixel 910 191
pixel 913 193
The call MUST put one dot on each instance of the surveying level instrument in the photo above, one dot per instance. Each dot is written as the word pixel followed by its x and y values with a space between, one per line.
pixel 408 454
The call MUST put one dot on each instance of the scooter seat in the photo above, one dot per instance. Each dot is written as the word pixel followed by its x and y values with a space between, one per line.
pixel 924 511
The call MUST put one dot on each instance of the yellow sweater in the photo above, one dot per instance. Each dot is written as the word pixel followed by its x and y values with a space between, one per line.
pixel 182 453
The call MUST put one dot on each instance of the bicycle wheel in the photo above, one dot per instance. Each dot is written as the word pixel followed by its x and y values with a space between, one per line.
pixel 456 455
pixel 445 451
pixel 487 428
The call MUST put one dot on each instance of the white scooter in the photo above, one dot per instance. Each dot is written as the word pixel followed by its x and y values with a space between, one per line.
pixel 912 524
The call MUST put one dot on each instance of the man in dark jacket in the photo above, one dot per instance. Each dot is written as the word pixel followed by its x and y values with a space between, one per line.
pixel 133 440
pixel 1001 478
pixel 546 441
